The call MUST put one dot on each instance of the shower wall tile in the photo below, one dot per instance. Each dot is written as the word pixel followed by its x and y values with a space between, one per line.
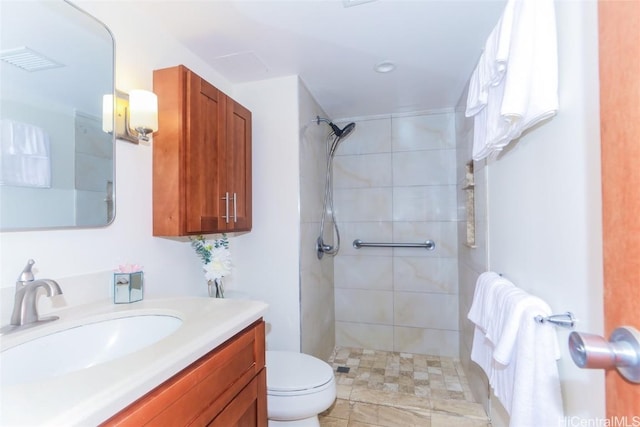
pixel 443 233
pixel 370 170
pixel 364 272
pixel 431 203
pixel 363 204
pixel 367 306
pixel 419 274
pixel 377 231
pixel 435 342
pixel 430 167
pixel 370 136
pixel 317 305
pixel 424 132
pixel 395 181
pixel 422 310
pixel 363 335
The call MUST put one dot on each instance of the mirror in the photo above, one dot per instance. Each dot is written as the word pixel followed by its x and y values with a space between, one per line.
pixel 56 162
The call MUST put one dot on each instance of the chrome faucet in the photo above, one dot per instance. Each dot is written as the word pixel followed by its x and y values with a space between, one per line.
pixel 25 310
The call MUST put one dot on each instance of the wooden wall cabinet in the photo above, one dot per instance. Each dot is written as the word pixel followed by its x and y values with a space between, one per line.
pixel 225 388
pixel 201 158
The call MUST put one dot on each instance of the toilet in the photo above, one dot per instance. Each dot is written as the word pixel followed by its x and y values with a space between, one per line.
pixel 299 387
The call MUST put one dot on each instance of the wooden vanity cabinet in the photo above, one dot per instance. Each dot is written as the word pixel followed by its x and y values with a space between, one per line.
pixel 201 158
pixel 225 388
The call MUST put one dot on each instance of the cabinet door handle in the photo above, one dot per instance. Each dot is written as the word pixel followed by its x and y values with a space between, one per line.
pixel 226 207
pixel 235 208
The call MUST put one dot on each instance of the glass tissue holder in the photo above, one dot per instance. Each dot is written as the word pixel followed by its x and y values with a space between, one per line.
pixel 127 287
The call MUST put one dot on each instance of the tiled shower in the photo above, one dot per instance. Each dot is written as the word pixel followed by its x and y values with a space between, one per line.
pixel 395 181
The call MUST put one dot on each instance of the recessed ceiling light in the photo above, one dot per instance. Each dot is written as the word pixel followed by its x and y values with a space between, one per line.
pixel 385 67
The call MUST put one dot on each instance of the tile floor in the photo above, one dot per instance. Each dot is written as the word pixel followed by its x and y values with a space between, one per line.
pixel 391 389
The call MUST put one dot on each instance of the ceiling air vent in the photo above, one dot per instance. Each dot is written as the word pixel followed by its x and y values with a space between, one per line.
pixel 28 59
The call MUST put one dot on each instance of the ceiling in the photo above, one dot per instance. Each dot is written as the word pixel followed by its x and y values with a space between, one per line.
pixel 333 46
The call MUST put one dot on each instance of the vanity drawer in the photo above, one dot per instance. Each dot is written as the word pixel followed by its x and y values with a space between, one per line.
pixel 201 392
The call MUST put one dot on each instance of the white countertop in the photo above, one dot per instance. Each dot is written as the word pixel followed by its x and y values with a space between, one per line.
pixel 92 395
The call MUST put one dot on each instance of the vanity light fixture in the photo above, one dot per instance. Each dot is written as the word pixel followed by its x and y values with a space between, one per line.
pixel 136 115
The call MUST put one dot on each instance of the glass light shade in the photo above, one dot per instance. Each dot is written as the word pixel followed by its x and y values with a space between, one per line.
pixel 143 110
pixel 107 113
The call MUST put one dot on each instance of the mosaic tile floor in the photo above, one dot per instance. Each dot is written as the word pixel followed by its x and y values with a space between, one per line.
pixel 391 389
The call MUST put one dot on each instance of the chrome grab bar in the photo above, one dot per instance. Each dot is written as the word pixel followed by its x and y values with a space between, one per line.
pixel 428 245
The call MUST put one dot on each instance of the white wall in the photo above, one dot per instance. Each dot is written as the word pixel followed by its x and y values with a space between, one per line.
pixel 267 259
pixel 544 207
pixel 171 267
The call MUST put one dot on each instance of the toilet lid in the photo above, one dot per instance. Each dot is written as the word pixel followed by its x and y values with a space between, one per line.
pixel 290 371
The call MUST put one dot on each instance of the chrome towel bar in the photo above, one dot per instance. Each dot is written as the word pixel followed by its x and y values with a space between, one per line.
pixel 566 320
pixel 428 245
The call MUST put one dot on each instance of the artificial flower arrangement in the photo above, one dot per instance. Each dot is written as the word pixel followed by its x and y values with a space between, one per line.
pixel 216 259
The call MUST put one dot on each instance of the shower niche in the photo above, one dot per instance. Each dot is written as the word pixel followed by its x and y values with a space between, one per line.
pixel 201 158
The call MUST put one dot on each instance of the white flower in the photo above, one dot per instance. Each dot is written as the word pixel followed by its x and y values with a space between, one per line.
pixel 220 264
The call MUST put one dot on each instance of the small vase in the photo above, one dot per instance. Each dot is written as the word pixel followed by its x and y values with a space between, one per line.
pixel 216 289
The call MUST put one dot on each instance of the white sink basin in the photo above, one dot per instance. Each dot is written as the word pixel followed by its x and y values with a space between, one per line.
pixel 82 346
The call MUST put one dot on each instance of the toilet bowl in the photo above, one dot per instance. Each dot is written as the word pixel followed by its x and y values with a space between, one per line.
pixel 299 387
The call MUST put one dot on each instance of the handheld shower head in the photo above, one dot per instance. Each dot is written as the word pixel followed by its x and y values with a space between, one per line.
pixel 340 133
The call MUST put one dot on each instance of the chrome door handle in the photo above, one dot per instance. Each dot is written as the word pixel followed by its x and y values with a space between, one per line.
pixel 622 351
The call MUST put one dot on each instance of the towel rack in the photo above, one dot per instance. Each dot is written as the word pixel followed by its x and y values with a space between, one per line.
pixel 428 245
pixel 566 320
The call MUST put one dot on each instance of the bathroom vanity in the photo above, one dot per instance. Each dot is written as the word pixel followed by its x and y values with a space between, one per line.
pixel 209 370
pixel 227 387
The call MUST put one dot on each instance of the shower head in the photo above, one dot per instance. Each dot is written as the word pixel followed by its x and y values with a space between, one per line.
pixel 347 130
pixel 340 133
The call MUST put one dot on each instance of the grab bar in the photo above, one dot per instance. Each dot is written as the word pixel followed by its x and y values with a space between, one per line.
pixel 428 245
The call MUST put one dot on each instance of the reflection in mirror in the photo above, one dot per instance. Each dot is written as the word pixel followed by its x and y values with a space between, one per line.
pixel 56 162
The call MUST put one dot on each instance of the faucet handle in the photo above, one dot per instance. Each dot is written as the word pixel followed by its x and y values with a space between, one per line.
pixel 27 274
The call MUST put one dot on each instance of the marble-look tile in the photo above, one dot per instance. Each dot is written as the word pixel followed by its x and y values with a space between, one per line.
pixel 341 409
pixel 426 341
pixel 423 132
pixel 370 231
pixel 371 393
pixel 367 306
pixel 362 171
pixel 418 274
pixel 364 335
pixel 432 167
pixel 363 272
pixel 425 203
pixel 443 233
pixel 370 136
pixel 426 310
pixel 442 420
pixel 363 204
pixel 333 422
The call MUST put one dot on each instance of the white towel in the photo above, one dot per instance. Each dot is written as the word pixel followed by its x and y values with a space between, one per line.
pixel 24 155
pixel 537 399
pixel 515 83
pixel 489 286
pixel 517 353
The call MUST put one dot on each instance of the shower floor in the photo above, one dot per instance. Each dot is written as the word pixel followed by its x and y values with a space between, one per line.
pixel 392 389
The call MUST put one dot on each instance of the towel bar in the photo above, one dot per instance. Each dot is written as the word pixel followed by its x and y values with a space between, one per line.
pixel 566 320
pixel 428 245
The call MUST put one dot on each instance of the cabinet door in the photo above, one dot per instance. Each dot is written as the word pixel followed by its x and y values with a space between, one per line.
pixel 238 165
pixel 205 157
pixel 246 409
